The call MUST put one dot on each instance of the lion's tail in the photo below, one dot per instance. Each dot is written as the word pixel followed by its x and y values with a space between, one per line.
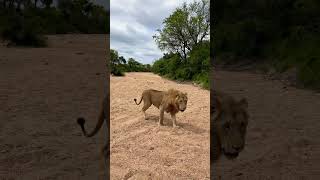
pixel 81 122
pixel 135 100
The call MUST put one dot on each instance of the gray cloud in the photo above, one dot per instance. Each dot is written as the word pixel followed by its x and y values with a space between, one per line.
pixel 134 22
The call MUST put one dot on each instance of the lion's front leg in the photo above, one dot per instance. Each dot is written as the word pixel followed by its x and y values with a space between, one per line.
pixel 173 117
pixel 161 115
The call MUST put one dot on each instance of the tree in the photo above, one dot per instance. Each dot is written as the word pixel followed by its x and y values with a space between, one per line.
pixel 27 4
pixel 35 3
pixel 115 63
pixel 114 57
pixel 47 3
pixel 122 60
pixel 184 28
pixel 11 3
pixel 18 4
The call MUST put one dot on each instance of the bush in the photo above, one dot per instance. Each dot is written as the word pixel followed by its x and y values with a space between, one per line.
pixel 160 67
pixel 119 64
pixel 202 79
pixel 24 32
pixel 196 68
pixel 26 26
pixel 283 34
pixel 117 71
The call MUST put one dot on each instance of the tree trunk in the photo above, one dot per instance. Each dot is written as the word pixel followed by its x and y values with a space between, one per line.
pixel 4 3
pixel 19 5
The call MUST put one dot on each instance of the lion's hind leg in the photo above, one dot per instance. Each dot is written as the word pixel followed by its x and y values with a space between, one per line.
pixel 146 105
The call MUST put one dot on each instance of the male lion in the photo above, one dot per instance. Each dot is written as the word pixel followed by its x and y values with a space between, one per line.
pixel 229 123
pixel 102 117
pixel 171 101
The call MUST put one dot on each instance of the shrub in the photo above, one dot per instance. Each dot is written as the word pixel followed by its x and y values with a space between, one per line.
pixel 24 32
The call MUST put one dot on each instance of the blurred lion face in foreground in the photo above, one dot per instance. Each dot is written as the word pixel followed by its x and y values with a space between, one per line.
pixel 230 120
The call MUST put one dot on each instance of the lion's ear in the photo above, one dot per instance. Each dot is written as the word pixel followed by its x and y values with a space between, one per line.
pixel 186 94
pixel 243 103
pixel 177 96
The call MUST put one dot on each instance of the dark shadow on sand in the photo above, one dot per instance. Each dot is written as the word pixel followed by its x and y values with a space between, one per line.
pixel 168 122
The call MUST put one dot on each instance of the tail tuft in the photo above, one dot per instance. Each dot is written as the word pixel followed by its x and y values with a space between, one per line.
pixel 81 121
pixel 135 100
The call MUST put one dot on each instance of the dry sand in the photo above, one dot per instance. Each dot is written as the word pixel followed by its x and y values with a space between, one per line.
pixel 42 93
pixel 283 140
pixel 142 150
pixel 44 90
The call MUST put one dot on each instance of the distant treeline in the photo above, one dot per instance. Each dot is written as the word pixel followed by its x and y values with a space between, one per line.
pixel 280 35
pixel 119 64
pixel 185 38
pixel 24 22
pixel 195 68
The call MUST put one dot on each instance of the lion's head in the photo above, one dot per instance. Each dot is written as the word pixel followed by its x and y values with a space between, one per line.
pixel 231 124
pixel 176 99
pixel 181 101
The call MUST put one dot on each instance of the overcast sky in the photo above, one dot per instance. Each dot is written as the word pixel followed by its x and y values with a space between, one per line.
pixel 134 22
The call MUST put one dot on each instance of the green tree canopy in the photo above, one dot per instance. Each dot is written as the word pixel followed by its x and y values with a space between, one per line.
pixel 184 28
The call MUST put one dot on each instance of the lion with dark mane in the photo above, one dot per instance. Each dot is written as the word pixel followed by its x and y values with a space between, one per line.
pixel 171 101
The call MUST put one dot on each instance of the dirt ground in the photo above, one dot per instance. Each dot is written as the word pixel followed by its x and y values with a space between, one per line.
pixel 42 93
pixel 140 149
pixel 283 132
pixel 44 90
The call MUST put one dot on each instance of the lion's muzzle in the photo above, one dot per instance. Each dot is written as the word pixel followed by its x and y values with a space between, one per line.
pixel 230 155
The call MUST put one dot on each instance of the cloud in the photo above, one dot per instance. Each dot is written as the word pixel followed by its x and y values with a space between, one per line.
pixel 134 22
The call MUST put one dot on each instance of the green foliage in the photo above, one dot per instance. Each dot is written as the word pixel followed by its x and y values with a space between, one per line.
pixel 26 26
pixel 202 79
pixel 185 37
pixel 284 33
pixel 22 31
pixel 115 63
pixel 119 65
pixel 187 26
pixel 195 68
pixel 160 67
